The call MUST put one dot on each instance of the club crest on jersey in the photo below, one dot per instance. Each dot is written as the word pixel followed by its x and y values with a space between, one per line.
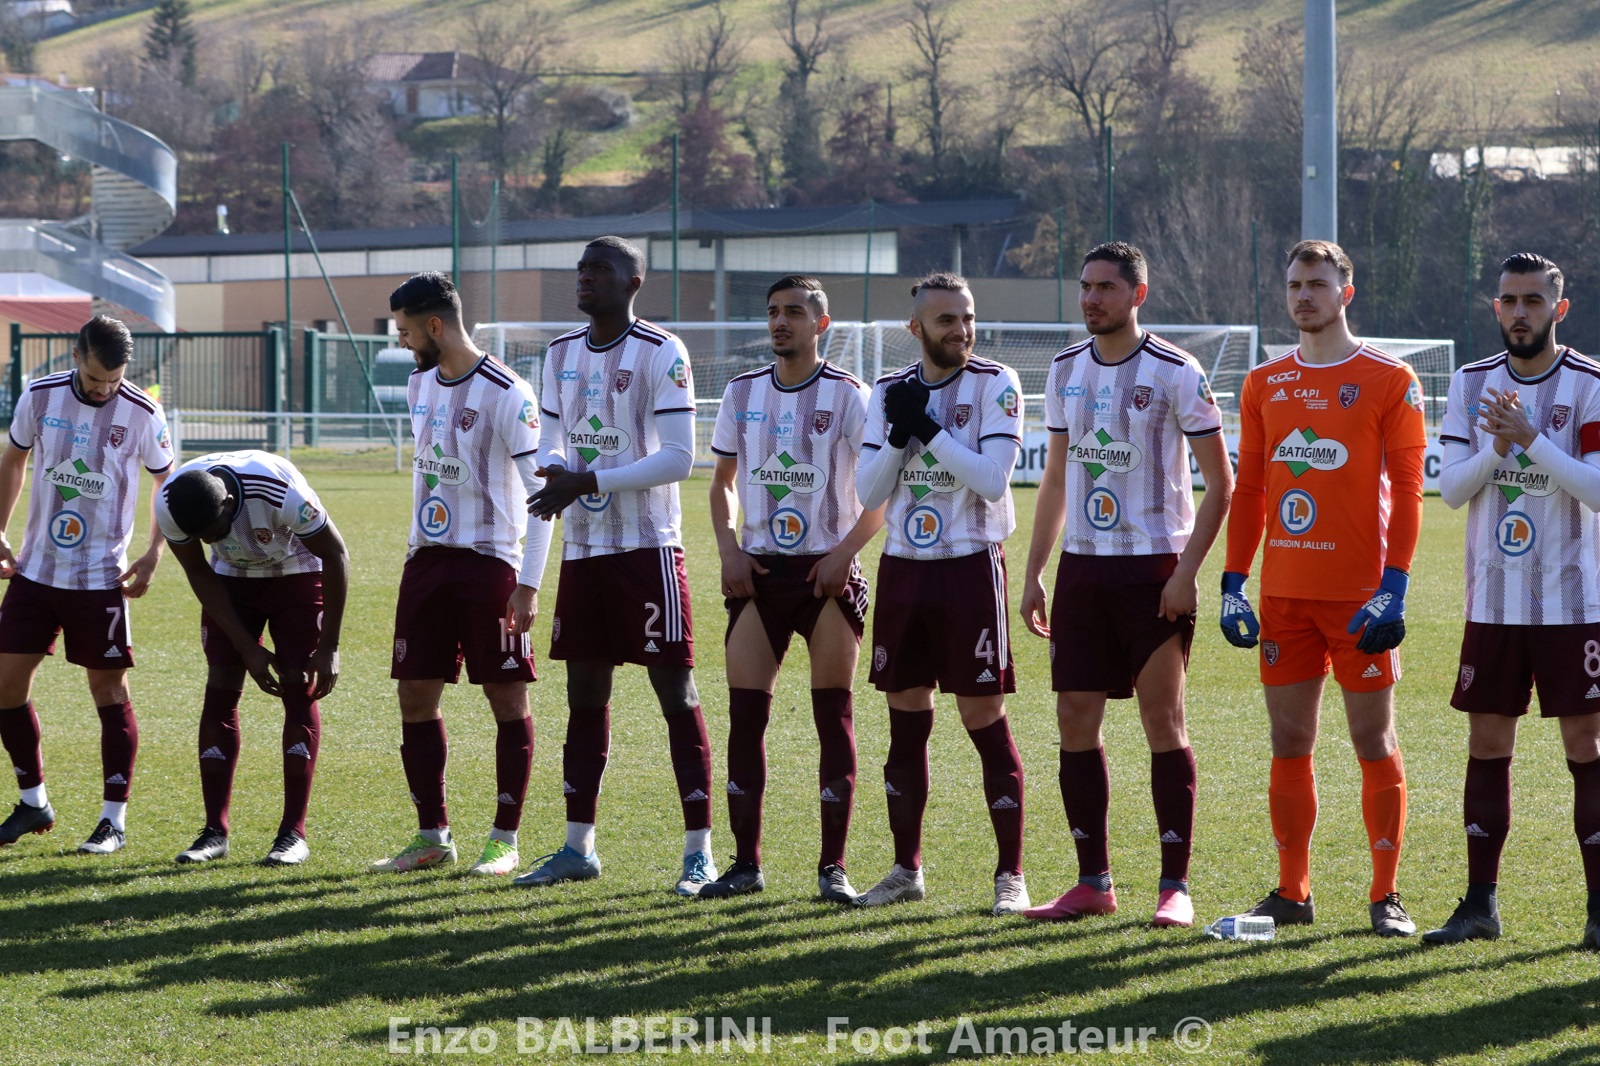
pixel 1467 674
pixel 469 418
pixel 624 379
pixel 1348 394
pixel 119 434
pixel 963 414
pixel 1142 395
pixel 1559 414
pixel 880 657
pixel 263 536
pixel 1269 652
pixel 400 651
pixel 821 420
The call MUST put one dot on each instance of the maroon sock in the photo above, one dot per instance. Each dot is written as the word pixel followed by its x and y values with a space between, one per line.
pixel 513 763
pixel 219 752
pixel 690 747
pixel 1586 817
pixel 1172 787
pixel 119 746
pixel 831 710
pixel 423 752
pixel 1486 813
pixel 905 781
pixel 748 712
pixel 583 760
pixel 1002 789
pixel 19 732
pixel 302 736
pixel 1086 794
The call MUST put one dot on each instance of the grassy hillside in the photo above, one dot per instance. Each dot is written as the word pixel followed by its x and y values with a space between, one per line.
pixel 1519 52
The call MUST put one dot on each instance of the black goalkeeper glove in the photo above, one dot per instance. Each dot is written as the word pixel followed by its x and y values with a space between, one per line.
pixel 905 405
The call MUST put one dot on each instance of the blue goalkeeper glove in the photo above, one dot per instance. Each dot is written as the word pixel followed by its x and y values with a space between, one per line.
pixel 1236 612
pixel 1384 615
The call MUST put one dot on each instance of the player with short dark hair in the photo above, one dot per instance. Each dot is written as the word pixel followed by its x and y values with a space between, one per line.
pixel 1124 410
pixel 1522 450
pixel 277 564
pixel 88 430
pixel 787 441
pixel 470 588
pixel 1330 469
pixel 941 439
pixel 619 436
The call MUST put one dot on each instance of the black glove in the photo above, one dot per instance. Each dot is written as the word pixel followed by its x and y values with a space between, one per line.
pixel 905 405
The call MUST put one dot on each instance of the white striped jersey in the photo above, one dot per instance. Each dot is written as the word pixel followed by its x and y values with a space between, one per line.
pixel 605 401
pixel 932 514
pixel 466 492
pixel 797 448
pixel 1128 488
pixel 274 507
pixel 1533 551
pixel 86 457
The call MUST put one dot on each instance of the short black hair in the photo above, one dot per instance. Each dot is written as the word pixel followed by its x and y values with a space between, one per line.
pixel 1129 259
pixel 625 249
pixel 812 287
pixel 425 295
pixel 944 279
pixel 107 340
pixel 196 499
pixel 1534 263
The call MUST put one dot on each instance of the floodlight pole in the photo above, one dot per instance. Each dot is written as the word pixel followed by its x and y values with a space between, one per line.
pixel 1319 183
pixel 1111 185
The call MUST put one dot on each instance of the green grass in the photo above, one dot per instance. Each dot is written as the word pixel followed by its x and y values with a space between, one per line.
pixel 132 959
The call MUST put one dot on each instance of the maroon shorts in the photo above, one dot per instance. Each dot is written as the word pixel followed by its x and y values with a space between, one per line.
pixel 788 603
pixel 944 622
pixel 452 607
pixel 1500 665
pixel 628 607
pixel 94 621
pixel 1104 623
pixel 291 605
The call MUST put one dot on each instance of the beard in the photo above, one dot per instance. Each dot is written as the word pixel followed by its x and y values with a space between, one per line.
pixel 1537 339
pixel 1107 325
pixel 427 357
pixel 938 353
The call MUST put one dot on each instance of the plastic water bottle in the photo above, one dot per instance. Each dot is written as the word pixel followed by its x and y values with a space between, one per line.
pixel 1243 927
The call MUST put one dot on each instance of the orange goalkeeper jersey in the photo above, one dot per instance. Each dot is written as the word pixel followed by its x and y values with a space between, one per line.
pixel 1330 467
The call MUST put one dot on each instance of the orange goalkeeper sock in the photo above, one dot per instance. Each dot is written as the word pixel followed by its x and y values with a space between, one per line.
pixel 1383 808
pixel 1292 800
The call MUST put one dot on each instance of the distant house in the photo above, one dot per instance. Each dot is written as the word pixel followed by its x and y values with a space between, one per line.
pixel 41 18
pixel 425 85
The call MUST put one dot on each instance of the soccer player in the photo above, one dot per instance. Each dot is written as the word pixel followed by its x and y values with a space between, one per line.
pixel 941 439
pixel 278 563
pixel 89 431
pixel 470 588
pixel 787 441
pixel 1330 467
pixel 1522 449
pixel 1119 407
pixel 618 437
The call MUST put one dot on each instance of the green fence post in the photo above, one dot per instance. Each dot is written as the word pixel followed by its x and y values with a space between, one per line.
pixel 279 340
pixel 313 375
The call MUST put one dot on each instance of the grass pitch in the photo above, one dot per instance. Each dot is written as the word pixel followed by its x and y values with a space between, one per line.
pixel 133 959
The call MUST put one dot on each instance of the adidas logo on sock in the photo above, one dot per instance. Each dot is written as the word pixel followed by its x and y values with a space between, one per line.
pixel 113 652
pixel 695 796
pixel 116 779
pixel 568 790
pixel 213 752
pixel 890 790
pixel 1475 830
pixel 986 676
pixel 1171 837
pixel 1372 671
pixel 1079 834
pixel 20 771
pixel 734 789
pixel 414 799
pixel 1383 844
pixel 1278 844
pixel 1593 693
pixel 505 797
pixel 650 645
pixel 828 796
pixel 510 663
pixel 301 750
pixel 1593 839
pixel 1004 803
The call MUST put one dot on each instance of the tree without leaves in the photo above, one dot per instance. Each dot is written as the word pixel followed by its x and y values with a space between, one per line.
pixel 704 62
pixel 807 41
pixel 1090 61
pixel 935 41
pixel 171 35
pixel 513 46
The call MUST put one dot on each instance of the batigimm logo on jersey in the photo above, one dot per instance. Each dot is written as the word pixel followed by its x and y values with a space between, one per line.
pixel 594 438
pixel 787 526
pixel 782 474
pixel 1102 452
pixel 1467 674
pixel 923 527
pixel 1518 479
pixel 1516 533
pixel 1269 652
pixel 1142 395
pixel 1008 402
pixel 1303 450
pixel 1102 509
pixel 930 478
pixel 440 469
pixel 1297 511
pixel 73 478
